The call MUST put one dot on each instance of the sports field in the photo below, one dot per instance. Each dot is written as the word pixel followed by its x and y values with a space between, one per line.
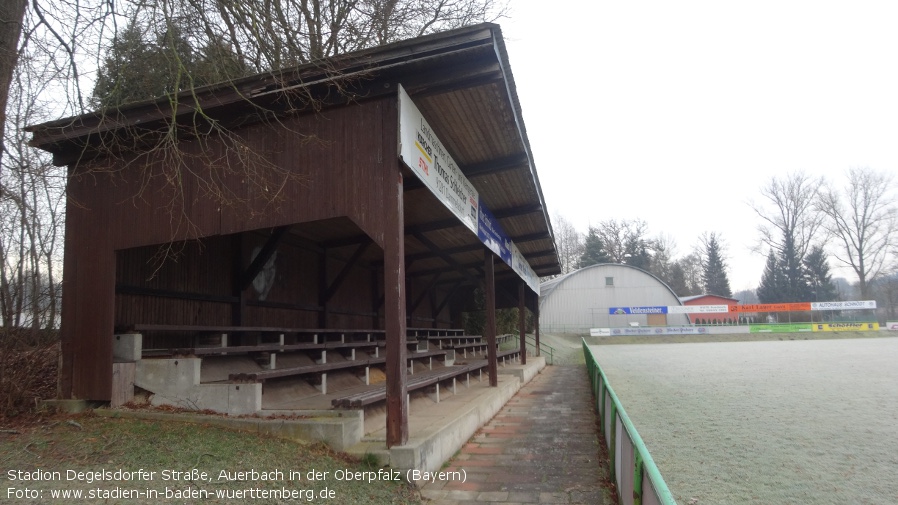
pixel 767 422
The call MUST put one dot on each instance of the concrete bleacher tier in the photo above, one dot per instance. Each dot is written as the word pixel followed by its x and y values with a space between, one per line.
pixel 277 368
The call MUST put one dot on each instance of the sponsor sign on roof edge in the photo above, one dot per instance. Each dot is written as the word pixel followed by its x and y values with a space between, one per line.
pixel 428 159
pixel 425 155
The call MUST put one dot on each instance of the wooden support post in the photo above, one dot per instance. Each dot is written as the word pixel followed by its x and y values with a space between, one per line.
pixel 239 306
pixel 522 322
pixel 394 308
pixel 322 289
pixel 489 290
pixel 376 298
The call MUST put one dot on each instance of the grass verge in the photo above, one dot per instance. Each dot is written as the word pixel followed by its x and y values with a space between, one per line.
pixel 58 447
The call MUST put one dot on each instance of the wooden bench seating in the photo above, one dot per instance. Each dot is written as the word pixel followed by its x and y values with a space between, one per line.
pixel 414 383
pixel 433 332
pixel 263 375
pixel 241 330
pixel 504 356
pixel 345 341
pixel 456 339
pixel 419 381
pixel 319 338
pixel 475 347
pixel 318 368
pixel 247 349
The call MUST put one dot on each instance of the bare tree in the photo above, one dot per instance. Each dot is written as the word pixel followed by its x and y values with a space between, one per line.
pixel 30 210
pixel 617 235
pixel 664 249
pixel 791 222
pixel 46 47
pixel 12 12
pixel 862 218
pixel 568 242
pixel 688 275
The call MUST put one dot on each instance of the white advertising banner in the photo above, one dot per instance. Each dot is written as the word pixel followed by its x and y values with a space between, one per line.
pixel 853 305
pixel 698 309
pixel 522 268
pixel 425 155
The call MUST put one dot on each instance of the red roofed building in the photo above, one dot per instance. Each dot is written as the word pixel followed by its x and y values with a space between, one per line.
pixel 710 318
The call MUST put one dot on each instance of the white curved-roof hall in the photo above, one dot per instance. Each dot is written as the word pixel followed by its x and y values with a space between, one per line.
pixel 580 300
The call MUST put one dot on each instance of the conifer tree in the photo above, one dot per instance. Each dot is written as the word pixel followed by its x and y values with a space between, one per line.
pixel 714 275
pixel 794 287
pixel 140 65
pixel 770 289
pixel 817 276
pixel 593 250
pixel 636 253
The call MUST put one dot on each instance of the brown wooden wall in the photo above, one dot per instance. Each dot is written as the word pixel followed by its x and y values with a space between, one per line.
pixel 345 156
pixel 194 287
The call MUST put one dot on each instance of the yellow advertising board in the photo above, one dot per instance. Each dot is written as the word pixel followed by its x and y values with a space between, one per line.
pixel 846 326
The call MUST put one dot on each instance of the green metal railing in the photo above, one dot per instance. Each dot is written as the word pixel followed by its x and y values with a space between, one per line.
pixel 634 472
pixel 545 350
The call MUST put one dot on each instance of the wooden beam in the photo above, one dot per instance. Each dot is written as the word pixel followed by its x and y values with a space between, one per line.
pixel 394 309
pixel 489 289
pixel 124 289
pixel 377 299
pixel 322 288
pixel 258 263
pixel 334 286
pixel 443 224
pixel 520 210
pixel 522 322
pixel 424 293
pixel 540 254
pixel 448 297
pixel 446 257
pixel 239 305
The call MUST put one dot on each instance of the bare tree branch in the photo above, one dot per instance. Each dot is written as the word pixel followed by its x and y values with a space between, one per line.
pixel 862 218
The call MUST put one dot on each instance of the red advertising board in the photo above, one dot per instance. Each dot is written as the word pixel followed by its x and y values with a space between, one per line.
pixel 771 307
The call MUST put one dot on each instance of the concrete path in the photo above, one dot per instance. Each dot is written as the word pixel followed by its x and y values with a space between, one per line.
pixel 542 447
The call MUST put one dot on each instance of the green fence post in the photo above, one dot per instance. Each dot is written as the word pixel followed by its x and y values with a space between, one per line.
pixel 612 444
pixel 637 479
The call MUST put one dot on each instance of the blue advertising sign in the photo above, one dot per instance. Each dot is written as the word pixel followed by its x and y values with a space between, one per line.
pixel 637 310
pixel 492 235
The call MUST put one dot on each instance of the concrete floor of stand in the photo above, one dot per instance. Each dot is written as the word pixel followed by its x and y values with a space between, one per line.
pixel 542 447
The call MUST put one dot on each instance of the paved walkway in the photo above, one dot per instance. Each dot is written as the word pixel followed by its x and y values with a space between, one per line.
pixel 542 447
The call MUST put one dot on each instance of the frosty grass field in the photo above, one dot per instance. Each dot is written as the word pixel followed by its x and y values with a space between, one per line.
pixel 772 422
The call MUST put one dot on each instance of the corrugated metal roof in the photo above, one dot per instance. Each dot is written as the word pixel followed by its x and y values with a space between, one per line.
pixel 546 288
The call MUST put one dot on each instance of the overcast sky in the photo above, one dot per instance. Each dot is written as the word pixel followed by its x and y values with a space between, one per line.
pixel 676 113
